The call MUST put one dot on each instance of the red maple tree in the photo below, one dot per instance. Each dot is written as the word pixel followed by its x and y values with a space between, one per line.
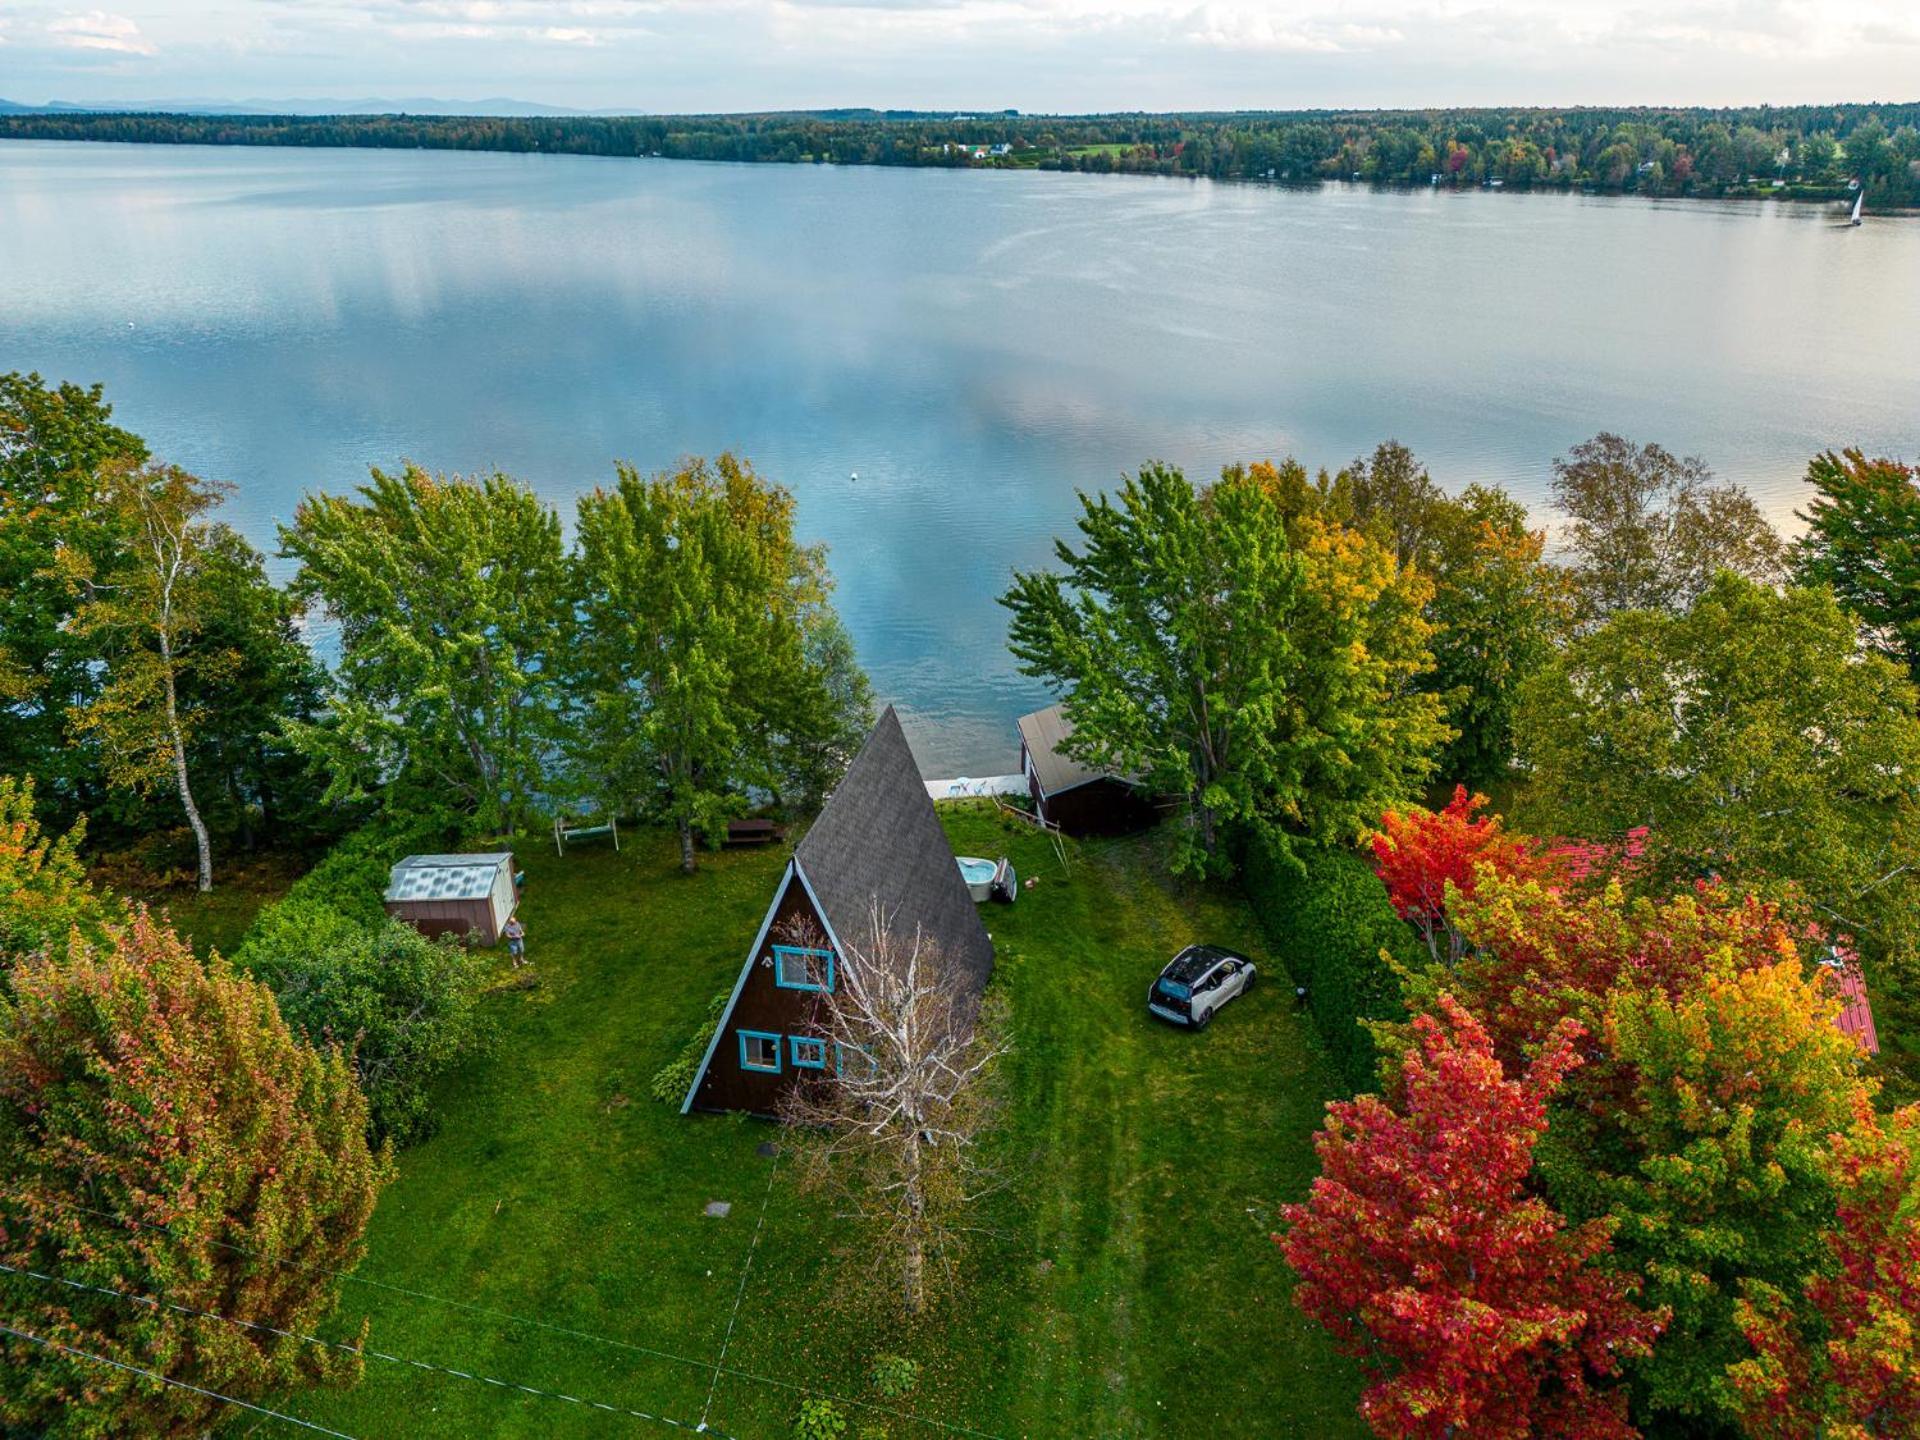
pixel 1477 1308
pixel 1419 853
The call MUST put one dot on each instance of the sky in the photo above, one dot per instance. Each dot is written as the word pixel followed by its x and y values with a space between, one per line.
pixel 1033 55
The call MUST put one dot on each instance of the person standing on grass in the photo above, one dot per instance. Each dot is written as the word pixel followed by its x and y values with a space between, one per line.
pixel 516 934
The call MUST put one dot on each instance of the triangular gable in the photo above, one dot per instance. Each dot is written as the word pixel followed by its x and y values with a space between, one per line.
pixel 792 873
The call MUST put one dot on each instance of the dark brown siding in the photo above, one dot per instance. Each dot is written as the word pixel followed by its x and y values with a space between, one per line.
pixel 1099 807
pixel 764 1006
pixel 447 917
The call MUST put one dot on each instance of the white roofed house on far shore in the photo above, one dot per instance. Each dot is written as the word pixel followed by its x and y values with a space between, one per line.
pixel 455 894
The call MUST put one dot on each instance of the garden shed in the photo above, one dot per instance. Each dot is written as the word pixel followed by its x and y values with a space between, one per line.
pixel 454 894
pixel 1070 793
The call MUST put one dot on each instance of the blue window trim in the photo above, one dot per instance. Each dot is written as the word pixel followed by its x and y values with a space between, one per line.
pixel 840 1053
pixel 819 1047
pixel 746 1064
pixel 781 953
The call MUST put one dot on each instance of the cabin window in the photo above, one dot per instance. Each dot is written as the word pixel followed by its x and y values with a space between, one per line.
pixel 852 1059
pixel 807 1052
pixel 797 968
pixel 760 1051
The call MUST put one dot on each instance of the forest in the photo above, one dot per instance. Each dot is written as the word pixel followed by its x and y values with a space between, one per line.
pixel 1806 152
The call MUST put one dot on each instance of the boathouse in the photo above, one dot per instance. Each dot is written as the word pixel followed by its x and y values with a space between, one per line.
pixel 1070 793
pixel 877 843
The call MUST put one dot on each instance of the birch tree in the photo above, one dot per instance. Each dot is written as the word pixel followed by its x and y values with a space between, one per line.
pixel 145 620
pixel 894 1127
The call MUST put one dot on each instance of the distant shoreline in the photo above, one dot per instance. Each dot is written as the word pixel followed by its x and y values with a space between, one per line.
pixel 1812 154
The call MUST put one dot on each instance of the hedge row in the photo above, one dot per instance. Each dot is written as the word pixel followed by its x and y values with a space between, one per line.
pixel 1327 917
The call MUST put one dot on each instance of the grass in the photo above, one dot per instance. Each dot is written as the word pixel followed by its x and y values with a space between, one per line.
pixel 1129 1287
pixel 219 919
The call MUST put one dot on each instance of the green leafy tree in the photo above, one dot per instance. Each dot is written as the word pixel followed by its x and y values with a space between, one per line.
pixel 164 1137
pixel 1230 646
pixel 1863 539
pixel 405 1008
pixel 1759 740
pixel 44 893
pixel 710 664
pixel 146 617
pixel 451 597
pixel 1500 610
pixel 1738 1081
pixel 255 784
pixel 54 444
pixel 1649 529
pixel 1498 607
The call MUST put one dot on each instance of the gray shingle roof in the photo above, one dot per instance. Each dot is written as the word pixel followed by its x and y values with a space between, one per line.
pixel 1044 731
pixel 878 838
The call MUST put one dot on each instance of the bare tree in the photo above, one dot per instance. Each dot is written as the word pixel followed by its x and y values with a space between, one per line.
pixel 893 1126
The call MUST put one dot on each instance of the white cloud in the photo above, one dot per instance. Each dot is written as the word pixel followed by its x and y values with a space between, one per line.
pixel 97 30
pixel 1060 55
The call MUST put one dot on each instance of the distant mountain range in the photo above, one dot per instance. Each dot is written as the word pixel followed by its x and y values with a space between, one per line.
pixel 415 105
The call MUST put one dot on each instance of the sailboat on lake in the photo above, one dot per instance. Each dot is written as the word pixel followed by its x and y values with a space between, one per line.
pixel 1858 201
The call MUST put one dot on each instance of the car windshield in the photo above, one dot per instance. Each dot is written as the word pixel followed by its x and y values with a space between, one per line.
pixel 1189 965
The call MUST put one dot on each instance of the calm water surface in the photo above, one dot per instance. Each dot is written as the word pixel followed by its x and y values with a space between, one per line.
pixel 975 346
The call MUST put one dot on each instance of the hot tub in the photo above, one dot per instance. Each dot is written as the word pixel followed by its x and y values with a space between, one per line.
pixel 978 874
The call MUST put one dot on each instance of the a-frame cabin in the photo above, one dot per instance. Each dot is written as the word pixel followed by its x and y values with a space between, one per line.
pixel 877 841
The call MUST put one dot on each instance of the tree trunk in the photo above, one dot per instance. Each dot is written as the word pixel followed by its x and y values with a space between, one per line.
pixel 180 770
pixel 914 1262
pixel 686 846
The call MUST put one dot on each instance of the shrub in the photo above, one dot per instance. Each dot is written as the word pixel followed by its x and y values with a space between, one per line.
pixel 404 1006
pixel 160 1126
pixel 1327 917
pixel 894 1376
pixel 43 883
pixel 671 1081
pixel 818 1419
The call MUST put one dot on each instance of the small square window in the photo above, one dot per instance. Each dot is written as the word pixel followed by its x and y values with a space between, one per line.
pixel 852 1060
pixel 760 1051
pixel 797 967
pixel 807 1052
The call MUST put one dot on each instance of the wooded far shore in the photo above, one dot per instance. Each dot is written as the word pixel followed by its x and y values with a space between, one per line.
pixel 1798 152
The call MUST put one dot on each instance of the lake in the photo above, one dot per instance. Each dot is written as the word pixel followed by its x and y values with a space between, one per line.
pixel 973 346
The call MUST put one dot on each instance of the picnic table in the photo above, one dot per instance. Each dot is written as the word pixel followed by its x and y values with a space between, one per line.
pixel 753 832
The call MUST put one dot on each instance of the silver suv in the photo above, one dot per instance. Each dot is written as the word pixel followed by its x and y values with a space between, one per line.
pixel 1197 982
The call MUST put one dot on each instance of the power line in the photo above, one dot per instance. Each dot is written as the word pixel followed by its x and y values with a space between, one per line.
pixel 6 1329
pixel 740 1293
pixel 547 1325
pixel 154 1302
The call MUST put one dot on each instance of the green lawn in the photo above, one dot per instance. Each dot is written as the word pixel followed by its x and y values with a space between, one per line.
pixel 1129 1287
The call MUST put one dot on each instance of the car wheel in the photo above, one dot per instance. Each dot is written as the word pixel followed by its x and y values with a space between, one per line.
pixel 1204 1021
pixel 1252 975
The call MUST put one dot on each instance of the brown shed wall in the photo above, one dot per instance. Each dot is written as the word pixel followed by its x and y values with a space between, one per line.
pixel 448 917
